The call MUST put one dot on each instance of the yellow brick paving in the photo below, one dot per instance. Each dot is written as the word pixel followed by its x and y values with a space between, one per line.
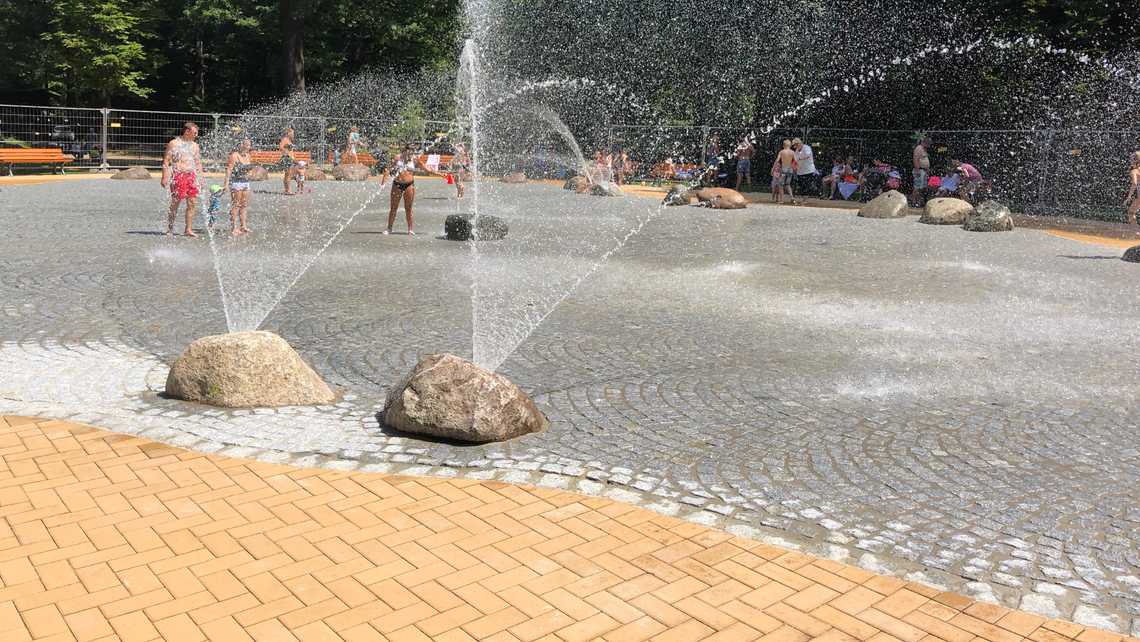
pixel 114 538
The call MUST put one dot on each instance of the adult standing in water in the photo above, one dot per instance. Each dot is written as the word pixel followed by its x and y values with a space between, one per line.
pixel 921 170
pixel 237 182
pixel 622 166
pixel 744 151
pixel 403 176
pixel 805 168
pixel 285 146
pixel 350 151
pixel 181 165
pixel 1133 195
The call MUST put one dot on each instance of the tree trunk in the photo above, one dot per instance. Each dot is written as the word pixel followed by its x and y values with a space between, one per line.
pixel 293 27
pixel 200 79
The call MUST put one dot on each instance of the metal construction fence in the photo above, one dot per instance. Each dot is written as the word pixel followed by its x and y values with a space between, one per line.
pixel 1072 171
pixel 1075 172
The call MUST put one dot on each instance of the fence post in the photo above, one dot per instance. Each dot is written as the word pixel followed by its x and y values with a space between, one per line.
pixel 704 145
pixel 1046 152
pixel 323 123
pixel 103 165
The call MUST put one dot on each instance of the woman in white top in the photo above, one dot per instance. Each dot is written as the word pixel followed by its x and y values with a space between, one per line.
pixel 402 170
pixel 350 150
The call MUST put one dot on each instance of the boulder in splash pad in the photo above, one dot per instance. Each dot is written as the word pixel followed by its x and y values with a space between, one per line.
pixel 946 211
pixel 132 174
pixel 351 172
pixel 1132 254
pixel 606 189
pixel 990 216
pixel 577 184
pixel 257 173
pixel 891 204
pixel 457 227
pixel 245 370
pixel 449 397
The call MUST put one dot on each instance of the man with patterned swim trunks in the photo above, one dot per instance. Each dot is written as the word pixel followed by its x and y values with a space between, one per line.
pixel 180 168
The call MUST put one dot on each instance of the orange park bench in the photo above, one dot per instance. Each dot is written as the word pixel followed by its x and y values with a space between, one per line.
pixel 364 157
pixel 40 156
pixel 273 157
pixel 436 161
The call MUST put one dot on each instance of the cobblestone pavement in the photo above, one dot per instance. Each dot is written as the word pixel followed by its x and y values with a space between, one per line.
pixel 111 537
pixel 953 408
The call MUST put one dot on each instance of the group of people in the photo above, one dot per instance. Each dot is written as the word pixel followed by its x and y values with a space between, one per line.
pixel 609 167
pixel 794 172
pixel 182 173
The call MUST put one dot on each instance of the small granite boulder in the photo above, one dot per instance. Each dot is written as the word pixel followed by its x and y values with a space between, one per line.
pixel 457 227
pixel 990 216
pixel 679 195
pixel 351 172
pixel 132 174
pixel 946 211
pixel 451 398
pixel 257 173
pixel 1132 254
pixel 577 184
pixel 515 177
pixel 243 370
pixel 891 204
pixel 314 173
pixel 606 189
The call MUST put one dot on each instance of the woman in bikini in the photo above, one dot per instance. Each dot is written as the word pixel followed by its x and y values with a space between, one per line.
pixel 237 182
pixel 402 171
pixel 285 146
pixel 1132 199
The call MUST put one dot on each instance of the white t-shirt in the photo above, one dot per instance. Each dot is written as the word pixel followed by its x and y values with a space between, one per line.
pixel 806 160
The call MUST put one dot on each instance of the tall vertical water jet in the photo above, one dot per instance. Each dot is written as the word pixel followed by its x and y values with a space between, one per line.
pixel 467 113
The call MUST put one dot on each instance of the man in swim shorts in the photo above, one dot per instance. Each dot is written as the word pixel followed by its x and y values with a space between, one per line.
pixel 181 165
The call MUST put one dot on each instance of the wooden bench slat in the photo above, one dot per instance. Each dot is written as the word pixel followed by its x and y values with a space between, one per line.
pixel 274 156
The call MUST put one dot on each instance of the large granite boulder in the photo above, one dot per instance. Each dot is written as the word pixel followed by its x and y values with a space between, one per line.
pixel 721 198
pixel 946 211
pixel 132 174
pixel 990 216
pixel 1132 254
pixel 457 227
pixel 608 188
pixel 351 172
pixel 578 184
pixel 314 173
pixel 257 173
pixel 243 370
pixel 451 398
pixel 515 177
pixel 890 204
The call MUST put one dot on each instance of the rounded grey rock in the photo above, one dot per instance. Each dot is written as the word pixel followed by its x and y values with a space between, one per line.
pixel 890 204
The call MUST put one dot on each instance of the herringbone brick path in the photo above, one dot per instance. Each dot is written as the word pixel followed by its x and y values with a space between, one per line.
pixel 111 537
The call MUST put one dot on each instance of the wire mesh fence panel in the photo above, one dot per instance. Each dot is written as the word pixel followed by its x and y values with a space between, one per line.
pixel 651 148
pixel 140 137
pixel 75 131
pixel 1085 173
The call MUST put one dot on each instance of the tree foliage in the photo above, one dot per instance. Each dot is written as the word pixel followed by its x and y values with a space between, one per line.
pixel 96 48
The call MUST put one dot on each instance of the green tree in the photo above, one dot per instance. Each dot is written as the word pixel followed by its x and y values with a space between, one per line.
pixel 97 49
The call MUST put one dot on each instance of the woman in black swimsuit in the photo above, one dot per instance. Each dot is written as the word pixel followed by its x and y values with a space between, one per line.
pixel 402 171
